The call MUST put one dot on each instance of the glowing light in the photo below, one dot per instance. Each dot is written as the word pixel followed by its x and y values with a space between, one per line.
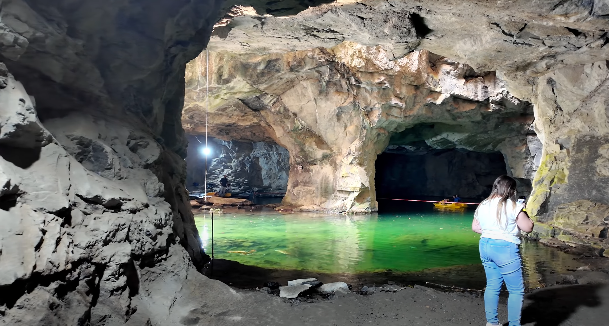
pixel 205 151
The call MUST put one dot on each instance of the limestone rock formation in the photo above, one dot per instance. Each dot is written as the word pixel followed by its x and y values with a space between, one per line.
pixel 96 226
pixel 335 109
pixel 92 159
pixel 581 222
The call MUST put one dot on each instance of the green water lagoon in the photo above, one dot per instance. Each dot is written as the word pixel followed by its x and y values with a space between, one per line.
pixel 403 242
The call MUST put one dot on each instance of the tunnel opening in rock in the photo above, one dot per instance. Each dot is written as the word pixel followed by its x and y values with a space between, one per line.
pixel 424 173
pixel 436 161
pixel 257 171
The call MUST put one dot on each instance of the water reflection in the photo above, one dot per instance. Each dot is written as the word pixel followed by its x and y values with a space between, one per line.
pixel 342 243
pixel 436 243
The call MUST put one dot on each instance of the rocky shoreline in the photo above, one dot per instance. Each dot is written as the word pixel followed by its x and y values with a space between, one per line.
pixel 584 302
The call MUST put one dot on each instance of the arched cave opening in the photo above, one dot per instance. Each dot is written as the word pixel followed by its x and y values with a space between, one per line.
pixel 256 170
pixel 435 161
pixel 410 172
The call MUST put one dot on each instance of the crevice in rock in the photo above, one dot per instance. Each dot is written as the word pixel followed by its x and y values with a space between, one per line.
pixel 10 294
pixel 41 241
pixel 133 280
pixel 113 205
pixel 559 4
pixel 552 83
pixel 420 27
pixel 574 31
pixel 502 30
pixel 95 200
pixel 94 284
pixel 20 157
pixel 66 216
pixel 8 198
pixel 255 103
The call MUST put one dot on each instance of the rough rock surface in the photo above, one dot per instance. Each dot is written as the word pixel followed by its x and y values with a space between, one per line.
pixel 94 243
pixel 92 164
pixel 219 201
pixel 249 166
pixel 582 222
pixel 335 109
pixel 519 37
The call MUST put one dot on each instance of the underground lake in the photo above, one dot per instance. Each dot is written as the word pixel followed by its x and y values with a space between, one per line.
pixel 417 244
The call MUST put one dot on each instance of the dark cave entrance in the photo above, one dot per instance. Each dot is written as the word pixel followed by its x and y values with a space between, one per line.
pixel 434 174
pixel 259 168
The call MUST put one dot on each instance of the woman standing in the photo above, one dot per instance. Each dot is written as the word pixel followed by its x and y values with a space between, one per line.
pixel 499 219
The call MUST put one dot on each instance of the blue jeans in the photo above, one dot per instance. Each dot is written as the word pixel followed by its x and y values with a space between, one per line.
pixel 502 263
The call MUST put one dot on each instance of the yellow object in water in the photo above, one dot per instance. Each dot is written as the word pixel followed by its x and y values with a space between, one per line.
pixel 449 205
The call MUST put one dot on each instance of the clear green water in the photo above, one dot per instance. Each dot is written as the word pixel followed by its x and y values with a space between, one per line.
pixel 401 242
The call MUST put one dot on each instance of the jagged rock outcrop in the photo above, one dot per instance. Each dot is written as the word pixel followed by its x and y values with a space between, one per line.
pixel 517 38
pixel 249 166
pixel 581 222
pixel 92 159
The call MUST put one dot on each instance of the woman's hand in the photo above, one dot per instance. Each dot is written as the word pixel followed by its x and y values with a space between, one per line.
pixel 476 226
pixel 524 222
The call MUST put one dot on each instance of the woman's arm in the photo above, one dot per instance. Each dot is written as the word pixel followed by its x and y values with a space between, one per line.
pixel 524 222
pixel 476 226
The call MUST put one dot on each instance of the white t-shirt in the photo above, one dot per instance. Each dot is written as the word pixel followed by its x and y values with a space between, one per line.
pixel 507 230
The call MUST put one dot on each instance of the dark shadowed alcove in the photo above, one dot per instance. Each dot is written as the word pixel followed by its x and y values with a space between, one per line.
pixel 419 172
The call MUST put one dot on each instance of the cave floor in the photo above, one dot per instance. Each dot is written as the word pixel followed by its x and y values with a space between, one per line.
pixel 580 304
pixel 578 298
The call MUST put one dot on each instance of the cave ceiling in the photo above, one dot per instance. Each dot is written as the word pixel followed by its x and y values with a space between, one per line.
pixel 516 41
pixel 510 36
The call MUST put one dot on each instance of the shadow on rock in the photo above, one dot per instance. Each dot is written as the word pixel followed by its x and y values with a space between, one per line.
pixel 551 307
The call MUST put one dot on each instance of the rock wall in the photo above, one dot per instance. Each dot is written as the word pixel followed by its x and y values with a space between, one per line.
pixel 573 109
pixel 250 166
pixel 92 167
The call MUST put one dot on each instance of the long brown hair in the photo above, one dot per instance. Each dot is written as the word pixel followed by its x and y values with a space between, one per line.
pixel 504 188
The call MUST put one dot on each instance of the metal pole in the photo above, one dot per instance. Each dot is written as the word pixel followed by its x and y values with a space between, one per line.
pixel 212 244
pixel 206 113
pixel 205 193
